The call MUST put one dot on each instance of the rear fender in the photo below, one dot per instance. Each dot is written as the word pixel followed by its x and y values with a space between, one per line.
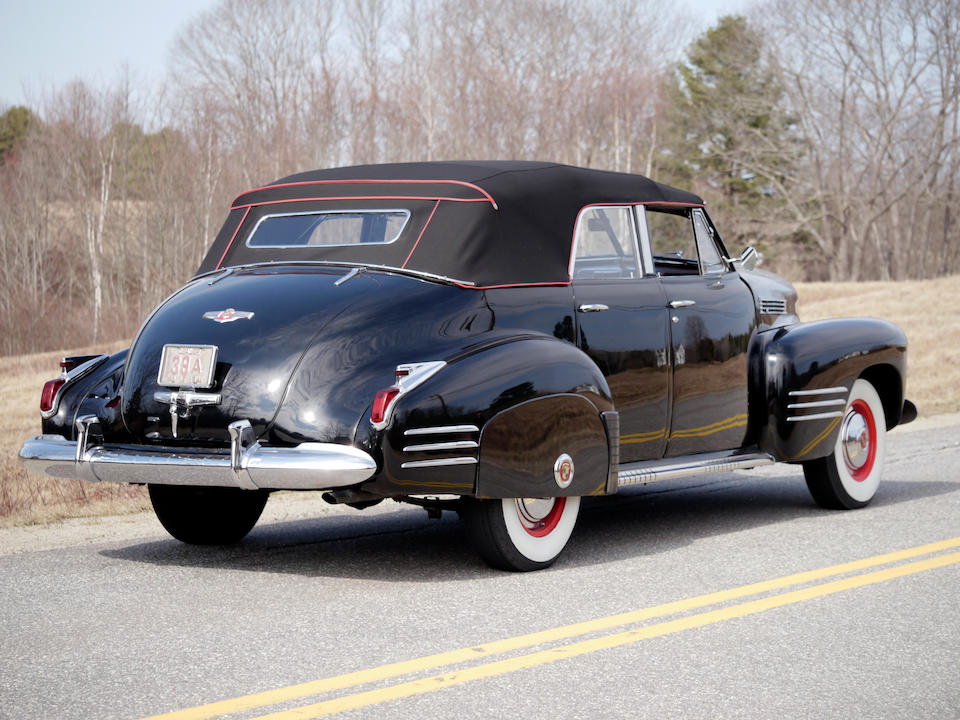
pixel 476 410
pixel 96 394
pixel 803 373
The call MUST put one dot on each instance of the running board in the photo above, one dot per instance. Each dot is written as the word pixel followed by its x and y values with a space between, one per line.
pixel 640 473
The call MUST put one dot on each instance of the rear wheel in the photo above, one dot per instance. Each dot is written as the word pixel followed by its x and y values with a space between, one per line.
pixel 848 477
pixel 521 533
pixel 207 515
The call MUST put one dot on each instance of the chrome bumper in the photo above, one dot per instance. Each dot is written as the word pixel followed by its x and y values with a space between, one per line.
pixel 308 466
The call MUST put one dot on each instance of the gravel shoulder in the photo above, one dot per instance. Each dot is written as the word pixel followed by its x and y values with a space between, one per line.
pixel 282 507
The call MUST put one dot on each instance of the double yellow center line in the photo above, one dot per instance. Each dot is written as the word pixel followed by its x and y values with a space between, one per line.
pixel 574 649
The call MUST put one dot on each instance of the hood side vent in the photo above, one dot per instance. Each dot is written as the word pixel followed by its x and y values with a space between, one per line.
pixel 770 306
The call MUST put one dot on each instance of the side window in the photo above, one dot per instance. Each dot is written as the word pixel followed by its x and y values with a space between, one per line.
pixel 606 244
pixel 672 241
pixel 711 261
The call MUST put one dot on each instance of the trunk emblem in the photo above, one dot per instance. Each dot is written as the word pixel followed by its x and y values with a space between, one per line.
pixel 228 315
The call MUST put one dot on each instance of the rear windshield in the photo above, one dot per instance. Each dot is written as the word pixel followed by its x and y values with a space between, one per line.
pixel 336 227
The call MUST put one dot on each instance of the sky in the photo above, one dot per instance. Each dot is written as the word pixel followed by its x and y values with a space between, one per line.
pixel 47 43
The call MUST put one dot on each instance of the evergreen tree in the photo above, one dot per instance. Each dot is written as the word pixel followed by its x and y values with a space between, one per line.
pixel 15 124
pixel 728 128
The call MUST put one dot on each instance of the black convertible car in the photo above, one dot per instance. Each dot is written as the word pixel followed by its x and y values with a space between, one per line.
pixel 498 338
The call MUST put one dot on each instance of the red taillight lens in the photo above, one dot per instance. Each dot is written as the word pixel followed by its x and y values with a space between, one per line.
pixel 381 402
pixel 49 394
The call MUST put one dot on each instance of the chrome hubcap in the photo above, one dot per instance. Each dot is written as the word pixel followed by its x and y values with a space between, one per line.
pixel 855 436
pixel 533 510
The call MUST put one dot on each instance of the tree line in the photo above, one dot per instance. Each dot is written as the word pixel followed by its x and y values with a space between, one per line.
pixel 823 132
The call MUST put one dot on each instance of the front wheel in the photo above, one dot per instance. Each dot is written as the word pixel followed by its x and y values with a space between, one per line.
pixel 848 477
pixel 521 534
pixel 207 515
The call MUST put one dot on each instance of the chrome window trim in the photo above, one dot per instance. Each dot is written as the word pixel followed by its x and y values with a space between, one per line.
pixel 576 241
pixel 640 216
pixel 339 211
pixel 696 215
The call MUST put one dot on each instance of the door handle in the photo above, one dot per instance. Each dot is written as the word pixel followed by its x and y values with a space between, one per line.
pixel 681 303
pixel 594 307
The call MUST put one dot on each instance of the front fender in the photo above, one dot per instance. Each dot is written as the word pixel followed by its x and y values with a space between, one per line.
pixel 801 372
pixel 450 414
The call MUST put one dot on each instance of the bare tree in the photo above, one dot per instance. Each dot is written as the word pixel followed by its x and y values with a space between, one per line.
pixel 874 87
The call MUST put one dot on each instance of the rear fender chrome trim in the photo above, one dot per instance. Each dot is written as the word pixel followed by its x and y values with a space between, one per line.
pixel 439 462
pixel 441 430
pixel 640 473
pixel 611 421
pixel 456 445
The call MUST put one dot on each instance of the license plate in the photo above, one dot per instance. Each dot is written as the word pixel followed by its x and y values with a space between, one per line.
pixel 189 366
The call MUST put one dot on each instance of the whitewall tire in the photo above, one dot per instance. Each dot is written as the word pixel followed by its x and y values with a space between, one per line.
pixel 849 477
pixel 521 533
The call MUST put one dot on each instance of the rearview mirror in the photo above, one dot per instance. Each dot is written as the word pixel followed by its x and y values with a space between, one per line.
pixel 749 258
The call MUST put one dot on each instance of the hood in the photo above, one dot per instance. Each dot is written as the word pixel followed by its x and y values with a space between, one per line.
pixel 306 362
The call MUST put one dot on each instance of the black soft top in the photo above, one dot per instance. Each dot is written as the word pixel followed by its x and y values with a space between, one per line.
pixel 486 224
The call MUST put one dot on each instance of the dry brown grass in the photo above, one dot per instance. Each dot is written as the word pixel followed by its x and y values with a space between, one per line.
pixel 28 498
pixel 928 311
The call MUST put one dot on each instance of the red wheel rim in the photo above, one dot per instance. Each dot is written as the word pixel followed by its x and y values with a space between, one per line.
pixel 861 473
pixel 541 527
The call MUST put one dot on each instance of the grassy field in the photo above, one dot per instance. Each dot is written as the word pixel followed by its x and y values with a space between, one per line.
pixel 929 312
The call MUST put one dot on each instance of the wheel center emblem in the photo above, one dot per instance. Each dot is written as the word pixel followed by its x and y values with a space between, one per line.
pixel 563 470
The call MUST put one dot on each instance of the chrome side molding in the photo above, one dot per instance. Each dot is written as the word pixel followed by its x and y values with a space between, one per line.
pixel 439 462
pixel 441 430
pixel 452 447
pixel 813 404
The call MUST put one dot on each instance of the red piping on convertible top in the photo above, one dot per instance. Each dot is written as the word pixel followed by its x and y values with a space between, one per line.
pixel 354 182
pixel 230 244
pixel 361 197
pixel 422 231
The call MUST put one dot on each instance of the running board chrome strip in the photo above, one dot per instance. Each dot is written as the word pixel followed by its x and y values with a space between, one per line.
pixel 639 473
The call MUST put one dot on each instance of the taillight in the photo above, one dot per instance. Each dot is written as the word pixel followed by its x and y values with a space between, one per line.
pixel 407 376
pixel 381 402
pixel 49 394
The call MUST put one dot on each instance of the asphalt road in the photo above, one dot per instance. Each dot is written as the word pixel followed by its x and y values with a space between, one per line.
pixel 711 597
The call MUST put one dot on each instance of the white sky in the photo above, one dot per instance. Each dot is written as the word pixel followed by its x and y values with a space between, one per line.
pixel 46 43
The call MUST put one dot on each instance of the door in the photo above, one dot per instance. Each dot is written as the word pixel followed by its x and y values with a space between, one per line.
pixel 711 319
pixel 622 325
